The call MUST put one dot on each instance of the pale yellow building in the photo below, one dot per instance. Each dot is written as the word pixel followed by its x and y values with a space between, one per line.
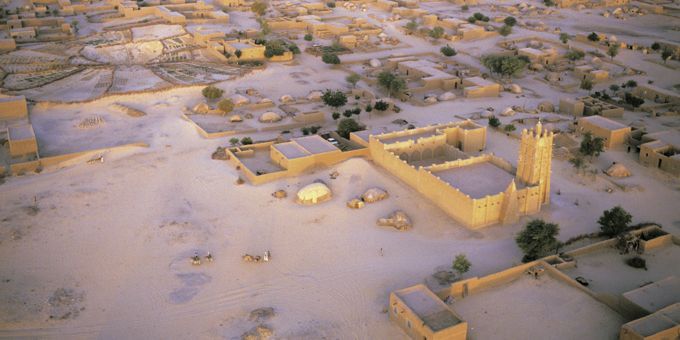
pixel 613 132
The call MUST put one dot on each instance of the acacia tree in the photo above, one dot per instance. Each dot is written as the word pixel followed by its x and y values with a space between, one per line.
pixel 334 98
pixel 258 8
pixel 212 92
pixel 538 239
pixel 564 37
pixel 503 64
pixel 391 82
pixel 353 79
pixel 591 146
pixel 614 221
pixel 613 50
pixel 226 105
pixel 347 126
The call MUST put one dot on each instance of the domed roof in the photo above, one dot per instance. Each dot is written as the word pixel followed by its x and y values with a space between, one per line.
pixel 314 193
pixel 270 117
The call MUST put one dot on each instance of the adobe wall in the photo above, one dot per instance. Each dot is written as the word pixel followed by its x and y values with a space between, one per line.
pixel 612 138
pixel 23 147
pixel 61 159
pixel 400 313
pixel 649 157
pixel 13 109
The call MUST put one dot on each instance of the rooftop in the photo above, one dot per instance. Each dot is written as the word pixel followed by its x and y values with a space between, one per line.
pixel 547 308
pixel 657 295
pixel 477 180
pixel 428 307
pixel 605 123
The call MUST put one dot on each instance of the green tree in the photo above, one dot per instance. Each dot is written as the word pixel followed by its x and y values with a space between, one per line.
pixel 353 79
pixel 574 55
pixel 461 264
pixel 348 125
pixel 448 51
pixel 586 84
pixel 233 141
pixel 308 37
pixel 505 30
pixel 656 46
pixel 212 92
pixel 437 32
pixel 258 8
pixel 391 82
pixel 613 50
pixel 503 64
pixel 665 55
pixel 578 162
pixel 614 221
pixel 275 47
pixel 411 26
pixel 347 113
pixel 330 58
pixel 246 140
pixel 226 105
pixel 238 54
pixel 510 21
pixel 494 122
pixel 538 239
pixel 336 115
pixel 564 37
pixel 305 131
pixel 594 37
pixel 614 87
pixel 334 98
pixel 591 146
pixel 509 128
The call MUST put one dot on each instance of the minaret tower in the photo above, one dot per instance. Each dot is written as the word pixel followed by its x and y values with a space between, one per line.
pixel 535 158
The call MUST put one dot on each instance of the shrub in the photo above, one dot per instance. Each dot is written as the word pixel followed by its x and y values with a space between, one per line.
pixel 275 48
pixel 381 105
pixel 331 4
pixel 613 50
pixel 666 54
pixel 574 55
pixel 494 122
pixel 448 51
pixel 308 37
pixel 411 26
pixel 593 37
pixel 631 83
pixel 465 8
pixel 233 141
pixel 305 131
pixel 656 46
pixel 353 79
pixel 461 264
pixel 347 113
pixel 509 128
pixel 437 32
pixel 369 108
pixel 330 58
pixel 336 115
pixel 632 100
pixel 564 37
pixel 637 262
pixel 212 92
pixel 505 30
pixel 586 84
pixel 614 87
pixel 510 21
pixel 246 140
